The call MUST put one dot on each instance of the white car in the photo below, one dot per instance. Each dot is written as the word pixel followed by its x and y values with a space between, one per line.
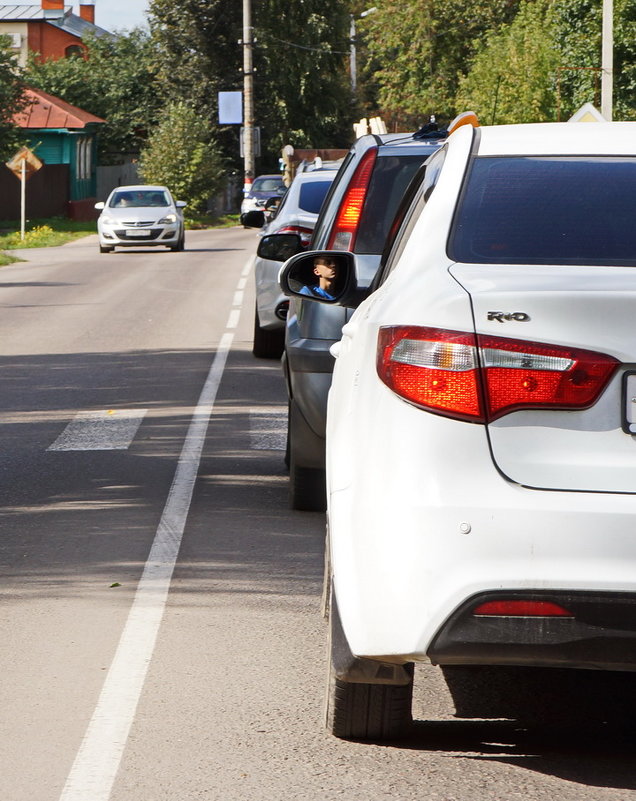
pixel 481 431
pixel 140 216
pixel 296 215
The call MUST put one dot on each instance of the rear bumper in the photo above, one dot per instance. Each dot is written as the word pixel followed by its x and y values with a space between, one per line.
pixel 600 634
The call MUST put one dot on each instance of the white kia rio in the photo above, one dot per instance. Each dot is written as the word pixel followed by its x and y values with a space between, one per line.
pixel 481 433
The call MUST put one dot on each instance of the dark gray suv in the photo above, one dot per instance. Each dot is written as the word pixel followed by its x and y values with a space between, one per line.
pixel 356 216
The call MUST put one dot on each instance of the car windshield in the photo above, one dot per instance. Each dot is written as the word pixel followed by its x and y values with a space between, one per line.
pixel 139 198
pixel 391 176
pixel 547 210
pixel 312 194
pixel 267 184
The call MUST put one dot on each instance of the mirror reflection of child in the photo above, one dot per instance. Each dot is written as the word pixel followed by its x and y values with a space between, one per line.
pixel 327 271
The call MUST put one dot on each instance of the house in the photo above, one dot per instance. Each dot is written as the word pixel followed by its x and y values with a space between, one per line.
pixel 50 29
pixel 63 137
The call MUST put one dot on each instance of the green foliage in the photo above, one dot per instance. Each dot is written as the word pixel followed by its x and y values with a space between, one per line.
pixel 116 82
pixel 512 79
pixel 182 155
pixel 300 56
pixel 418 51
pixel 11 100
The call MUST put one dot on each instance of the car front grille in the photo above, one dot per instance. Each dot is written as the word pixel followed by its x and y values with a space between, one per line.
pixel 137 224
pixel 124 234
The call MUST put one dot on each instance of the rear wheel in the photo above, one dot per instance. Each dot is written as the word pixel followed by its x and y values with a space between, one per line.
pixel 363 711
pixel 268 344
pixel 307 485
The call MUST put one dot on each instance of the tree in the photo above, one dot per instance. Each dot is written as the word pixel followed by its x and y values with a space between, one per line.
pixel 182 155
pixel 11 100
pixel 513 78
pixel 419 50
pixel 301 84
pixel 116 82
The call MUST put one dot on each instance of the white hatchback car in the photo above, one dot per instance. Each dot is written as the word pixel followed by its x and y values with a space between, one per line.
pixel 140 216
pixel 481 432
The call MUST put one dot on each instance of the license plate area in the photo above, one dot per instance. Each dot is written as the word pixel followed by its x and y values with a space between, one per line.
pixel 135 232
pixel 629 403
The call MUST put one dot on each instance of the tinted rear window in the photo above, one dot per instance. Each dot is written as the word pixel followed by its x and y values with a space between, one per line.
pixel 547 210
pixel 312 195
pixel 391 176
pixel 267 184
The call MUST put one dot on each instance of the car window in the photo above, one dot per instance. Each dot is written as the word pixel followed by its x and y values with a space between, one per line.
pixel 312 194
pixel 547 210
pixel 391 176
pixel 139 198
pixel 267 184
pixel 324 220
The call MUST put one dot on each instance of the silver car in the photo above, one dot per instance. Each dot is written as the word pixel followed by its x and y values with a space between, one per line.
pixel 140 216
pixel 296 215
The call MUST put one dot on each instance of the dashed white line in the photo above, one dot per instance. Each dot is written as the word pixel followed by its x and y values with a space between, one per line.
pixel 104 430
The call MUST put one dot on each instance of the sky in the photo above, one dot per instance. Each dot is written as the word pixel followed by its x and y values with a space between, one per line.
pixel 117 14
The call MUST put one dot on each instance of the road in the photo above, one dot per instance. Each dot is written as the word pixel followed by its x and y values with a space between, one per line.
pixel 159 604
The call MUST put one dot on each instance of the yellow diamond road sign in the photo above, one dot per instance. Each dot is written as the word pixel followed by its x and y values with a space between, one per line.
pixel 32 163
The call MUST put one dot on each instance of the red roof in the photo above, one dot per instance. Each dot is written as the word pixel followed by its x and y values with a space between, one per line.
pixel 47 111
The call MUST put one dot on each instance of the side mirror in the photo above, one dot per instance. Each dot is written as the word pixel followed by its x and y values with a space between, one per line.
pixel 253 219
pixel 181 204
pixel 99 206
pixel 279 247
pixel 325 276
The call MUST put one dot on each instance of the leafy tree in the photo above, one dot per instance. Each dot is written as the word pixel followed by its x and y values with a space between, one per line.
pixel 116 82
pixel 11 100
pixel 300 52
pixel 419 50
pixel 513 78
pixel 182 155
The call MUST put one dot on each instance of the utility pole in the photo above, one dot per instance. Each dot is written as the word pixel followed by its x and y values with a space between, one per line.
pixel 248 96
pixel 607 60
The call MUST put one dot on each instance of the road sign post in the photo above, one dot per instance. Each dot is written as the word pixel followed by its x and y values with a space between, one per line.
pixel 23 164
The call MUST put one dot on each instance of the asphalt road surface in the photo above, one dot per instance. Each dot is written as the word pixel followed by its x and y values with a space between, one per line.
pixel 159 602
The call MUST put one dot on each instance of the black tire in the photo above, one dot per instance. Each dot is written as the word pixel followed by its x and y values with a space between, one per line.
pixel 362 711
pixel 307 488
pixel 268 344
pixel 105 249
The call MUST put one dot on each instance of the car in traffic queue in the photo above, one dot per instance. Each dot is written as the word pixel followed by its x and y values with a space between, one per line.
pixel 481 435
pixel 140 216
pixel 262 188
pixel 296 214
pixel 356 215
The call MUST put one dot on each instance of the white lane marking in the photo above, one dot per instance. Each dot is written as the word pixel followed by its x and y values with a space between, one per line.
pixel 99 756
pixel 242 283
pixel 248 267
pixel 104 430
pixel 238 299
pixel 268 430
pixel 233 319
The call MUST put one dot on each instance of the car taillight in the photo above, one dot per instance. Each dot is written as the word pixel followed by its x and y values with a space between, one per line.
pixel 521 608
pixel 343 234
pixel 481 378
pixel 303 233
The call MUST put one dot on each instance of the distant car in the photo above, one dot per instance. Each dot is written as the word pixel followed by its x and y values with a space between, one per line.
pixel 481 431
pixel 297 214
pixel 140 216
pixel 263 187
pixel 356 215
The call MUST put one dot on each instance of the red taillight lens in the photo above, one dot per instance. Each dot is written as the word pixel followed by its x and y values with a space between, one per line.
pixel 303 233
pixel 522 609
pixel 482 378
pixel 343 234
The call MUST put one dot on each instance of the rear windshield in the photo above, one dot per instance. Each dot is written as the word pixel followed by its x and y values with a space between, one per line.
pixel 547 210
pixel 139 198
pixel 312 195
pixel 391 176
pixel 267 184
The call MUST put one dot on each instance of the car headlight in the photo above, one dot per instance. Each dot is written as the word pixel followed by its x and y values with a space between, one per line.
pixel 169 218
pixel 108 221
